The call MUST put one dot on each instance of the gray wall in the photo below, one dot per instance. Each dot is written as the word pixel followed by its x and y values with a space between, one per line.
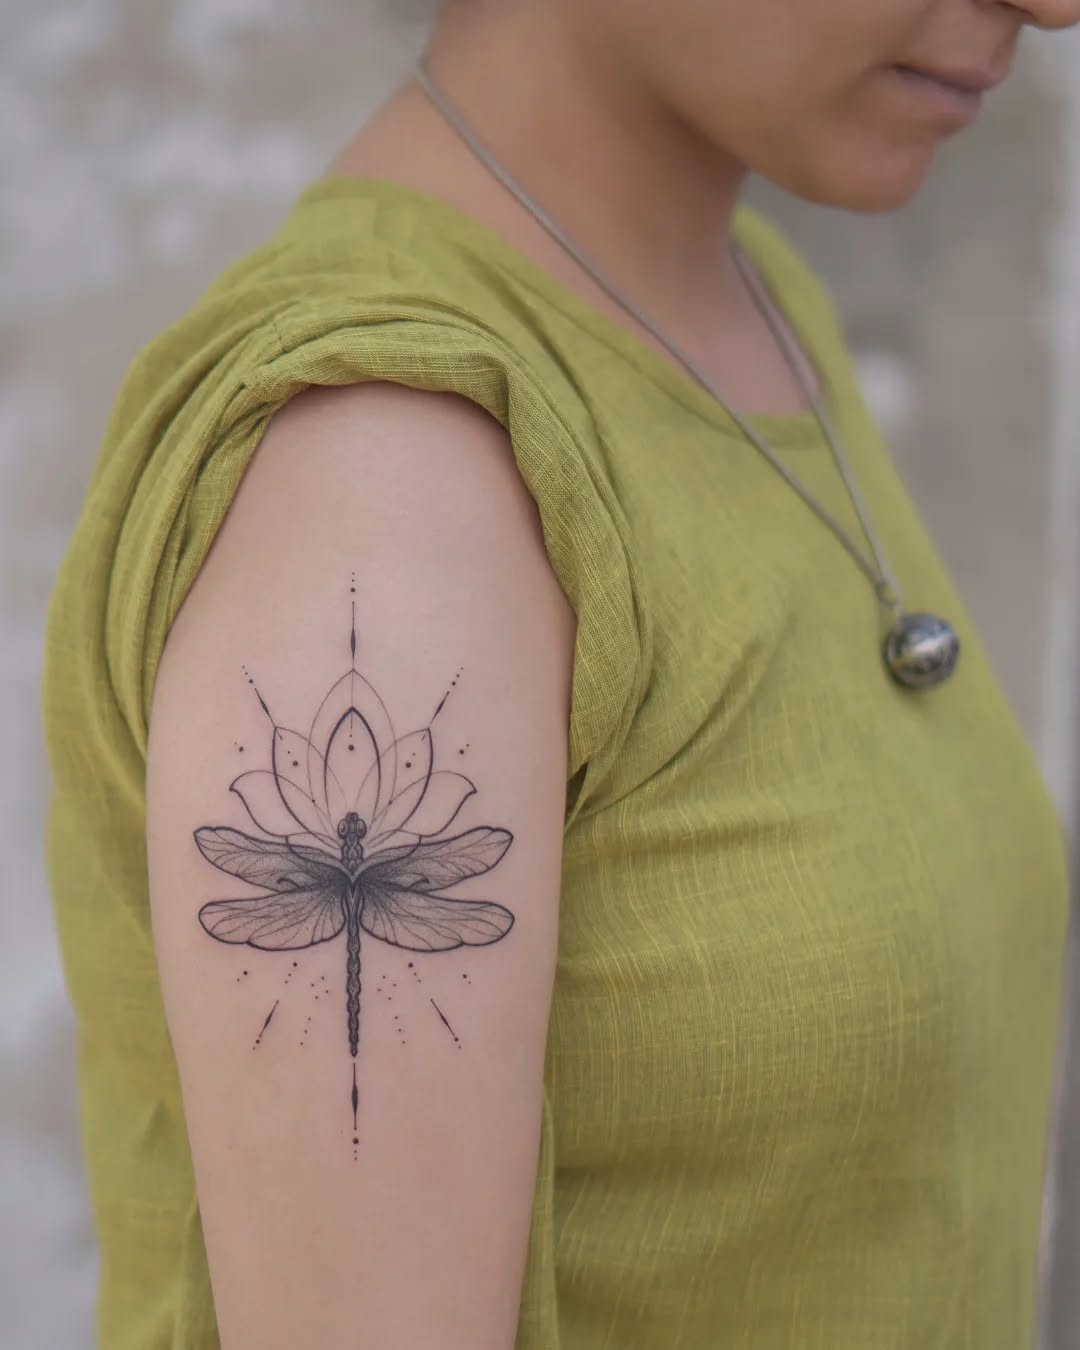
pixel 145 147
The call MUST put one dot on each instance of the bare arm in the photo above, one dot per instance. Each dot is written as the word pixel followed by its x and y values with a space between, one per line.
pixel 376 901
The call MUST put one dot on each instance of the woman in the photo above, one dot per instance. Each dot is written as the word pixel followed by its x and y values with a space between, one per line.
pixel 637 918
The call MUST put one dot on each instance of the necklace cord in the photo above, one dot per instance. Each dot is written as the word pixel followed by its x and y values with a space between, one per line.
pixel 885 585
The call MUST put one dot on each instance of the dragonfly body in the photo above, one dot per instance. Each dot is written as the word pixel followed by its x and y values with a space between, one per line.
pixel 352 969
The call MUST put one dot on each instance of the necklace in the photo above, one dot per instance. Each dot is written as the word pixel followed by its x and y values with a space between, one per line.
pixel 920 649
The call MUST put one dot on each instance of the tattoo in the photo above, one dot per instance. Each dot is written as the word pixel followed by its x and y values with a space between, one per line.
pixel 353 820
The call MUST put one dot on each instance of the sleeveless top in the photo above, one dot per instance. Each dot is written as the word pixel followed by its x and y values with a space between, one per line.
pixel 804 1022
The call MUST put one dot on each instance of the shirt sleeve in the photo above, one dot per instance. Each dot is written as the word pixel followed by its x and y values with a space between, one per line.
pixel 203 450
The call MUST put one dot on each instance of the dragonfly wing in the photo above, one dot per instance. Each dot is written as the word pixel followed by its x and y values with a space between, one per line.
pixel 438 863
pixel 278 922
pixel 268 862
pixel 429 923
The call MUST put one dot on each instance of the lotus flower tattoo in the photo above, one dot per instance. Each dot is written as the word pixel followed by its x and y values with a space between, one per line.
pixel 354 818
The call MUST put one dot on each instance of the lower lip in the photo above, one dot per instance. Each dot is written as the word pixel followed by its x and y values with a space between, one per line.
pixel 961 105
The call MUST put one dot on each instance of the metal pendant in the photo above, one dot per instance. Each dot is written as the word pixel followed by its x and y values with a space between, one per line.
pixel 921 650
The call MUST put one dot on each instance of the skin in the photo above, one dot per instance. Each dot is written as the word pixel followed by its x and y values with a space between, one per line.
pixel 636 124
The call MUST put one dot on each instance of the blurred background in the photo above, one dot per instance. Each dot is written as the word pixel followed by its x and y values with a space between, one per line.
pixel 145 144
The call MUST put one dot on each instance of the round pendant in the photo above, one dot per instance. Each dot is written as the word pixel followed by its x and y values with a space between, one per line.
pixel 921 650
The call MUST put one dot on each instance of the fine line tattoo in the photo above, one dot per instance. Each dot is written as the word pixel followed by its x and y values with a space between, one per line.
pixel 353 817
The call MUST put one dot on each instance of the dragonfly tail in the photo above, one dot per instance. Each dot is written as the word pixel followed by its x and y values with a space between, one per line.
pixel 352 982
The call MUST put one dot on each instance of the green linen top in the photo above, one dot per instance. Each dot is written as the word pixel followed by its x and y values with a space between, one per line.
pixel 804 1021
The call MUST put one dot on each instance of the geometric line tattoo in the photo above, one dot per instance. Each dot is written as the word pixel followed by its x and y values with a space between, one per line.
pixel 353 819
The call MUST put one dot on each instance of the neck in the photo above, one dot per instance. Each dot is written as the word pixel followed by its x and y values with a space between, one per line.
pixel 639 191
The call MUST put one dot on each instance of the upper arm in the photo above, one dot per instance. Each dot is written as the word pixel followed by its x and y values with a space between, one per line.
pixel 391 523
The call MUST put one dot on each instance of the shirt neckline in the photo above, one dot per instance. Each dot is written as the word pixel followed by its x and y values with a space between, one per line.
pixel 799 429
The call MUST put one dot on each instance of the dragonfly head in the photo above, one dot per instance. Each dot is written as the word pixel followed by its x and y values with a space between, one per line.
pixel 351 826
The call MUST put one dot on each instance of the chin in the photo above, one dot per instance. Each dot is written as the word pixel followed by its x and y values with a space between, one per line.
pixel 870 183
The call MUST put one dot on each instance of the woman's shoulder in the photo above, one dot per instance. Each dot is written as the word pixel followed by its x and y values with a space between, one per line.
pixel 336 297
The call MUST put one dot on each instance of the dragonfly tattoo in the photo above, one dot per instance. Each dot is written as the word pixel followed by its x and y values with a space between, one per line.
pixel 353 820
